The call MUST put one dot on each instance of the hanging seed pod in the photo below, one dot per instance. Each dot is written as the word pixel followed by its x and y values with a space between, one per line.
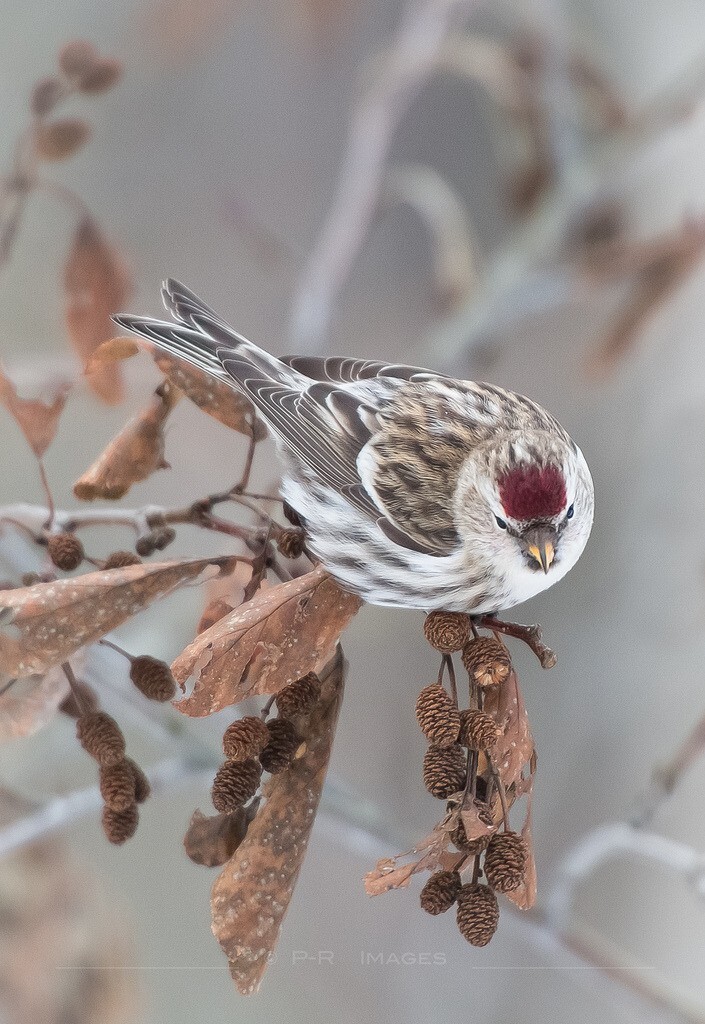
pixel 142 786
pixel 437 715
pixel 283 743
pixel 299 697
pixel 117 785
pixel 234 783
pixel 505 861
pixel 478 913
pixel 245 738
pixel 478 731
pixel 447 631
pixel 119 826
pixel 444 770
pixel 65 550
pixel 440 892
pixel 101 737
pixel 487 661
pixel 153 678
pixel 120 560
pixel 291 543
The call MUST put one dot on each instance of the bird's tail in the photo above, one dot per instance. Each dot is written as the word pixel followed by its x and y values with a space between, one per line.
pixel 202 338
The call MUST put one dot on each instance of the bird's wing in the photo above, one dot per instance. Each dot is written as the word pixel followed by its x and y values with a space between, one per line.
pixel 324 423
pixel 342 370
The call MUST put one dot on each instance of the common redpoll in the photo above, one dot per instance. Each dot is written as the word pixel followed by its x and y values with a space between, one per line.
pixel 416 490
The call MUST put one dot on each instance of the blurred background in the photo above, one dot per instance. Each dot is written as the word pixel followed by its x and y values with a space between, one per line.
pixel 507 191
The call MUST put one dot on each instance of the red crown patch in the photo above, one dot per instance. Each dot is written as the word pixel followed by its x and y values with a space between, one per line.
pixel 533 492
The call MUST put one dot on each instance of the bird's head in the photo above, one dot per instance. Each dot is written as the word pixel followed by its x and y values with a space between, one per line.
pixel 530 504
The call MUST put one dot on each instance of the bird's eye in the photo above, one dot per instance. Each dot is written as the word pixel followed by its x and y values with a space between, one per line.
pixel 501 523
pixel 569 513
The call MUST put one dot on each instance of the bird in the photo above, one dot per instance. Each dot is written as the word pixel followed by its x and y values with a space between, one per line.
pixel 415 489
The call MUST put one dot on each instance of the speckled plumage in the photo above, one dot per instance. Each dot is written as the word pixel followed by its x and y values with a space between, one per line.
pixel 417 490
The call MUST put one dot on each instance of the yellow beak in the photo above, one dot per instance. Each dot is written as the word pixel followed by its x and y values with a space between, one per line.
pixel 542 553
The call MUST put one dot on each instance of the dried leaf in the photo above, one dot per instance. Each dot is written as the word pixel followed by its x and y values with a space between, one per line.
pixel 44 625
pixel 115 350
pixel 223 403
pixel 28 704
pixel 58 140
pixel 97 284
pixel 251 896
pixel 211 840
pixel 136 452
pixel 389 874
pixel 37 420
pixel 277 637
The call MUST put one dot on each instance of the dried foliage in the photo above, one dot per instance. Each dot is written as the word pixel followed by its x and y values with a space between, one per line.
pixel 27 705
pixel 44 625
pixel 132 456
pixel 96 284
pixel 251 896
pixel 38 420
pixel 212 840
pixel 272 640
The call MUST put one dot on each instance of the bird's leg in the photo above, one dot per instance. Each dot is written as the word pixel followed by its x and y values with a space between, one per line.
pixel 531 635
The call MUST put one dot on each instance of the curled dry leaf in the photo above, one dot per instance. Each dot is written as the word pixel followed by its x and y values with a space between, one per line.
pixel 225 404
pixel 96 285
pixel 44 625
pixel 28 704
pixel 115 350
pixel 283 633
pixel 211 840
pixel 251 895
pixel 396 872
pixel 58 140
pixel 136 452
pixel 38 420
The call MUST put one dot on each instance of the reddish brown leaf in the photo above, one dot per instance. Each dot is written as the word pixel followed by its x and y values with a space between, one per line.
pixel 223 403
pixel 514 749
pixel 96 284
pixel 136 452
pixel 37 420
pixel 251 896
pixel 29 704
pixel 44 625
pixel 212 840
pixel 280 635
pixel 115 350
pixel 430 853
pixel 57 140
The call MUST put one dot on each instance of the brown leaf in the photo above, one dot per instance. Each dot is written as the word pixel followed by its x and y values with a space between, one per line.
pixel 514 749
pixel 44 625
pixel 58 140
pixel 251 896
pixel 277 637
pixel 223 403
pixel 389 874
pixel 211 840
pixel 136 452
pixel 96 284
pixel 37 420
pixel 115 350
pixel 28 704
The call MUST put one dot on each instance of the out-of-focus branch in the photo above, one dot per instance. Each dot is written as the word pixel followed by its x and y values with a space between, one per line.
pixel 412 59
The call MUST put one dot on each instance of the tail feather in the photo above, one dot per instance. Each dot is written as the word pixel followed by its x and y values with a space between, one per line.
pixel 183 342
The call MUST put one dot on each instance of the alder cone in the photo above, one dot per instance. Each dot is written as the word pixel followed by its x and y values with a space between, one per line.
pixel 101 77
pixel 478 730
pixel 444 770
pixel 299 697
pixel 283 743
pixel 245 738
pixel 440 892
pixel 447 632
pixel 478 913
pixel 120 560
pixel 142 784
pixel 437 715
pixel 505 861
pixel 487 661
pixel 77 58
pixel 65 550
pixel 117 785
pixel 119 826
pixel 291 543
pixel 101 737
pixel 153 678
pixel 58 140
pixel 234 784
pixel 459 839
